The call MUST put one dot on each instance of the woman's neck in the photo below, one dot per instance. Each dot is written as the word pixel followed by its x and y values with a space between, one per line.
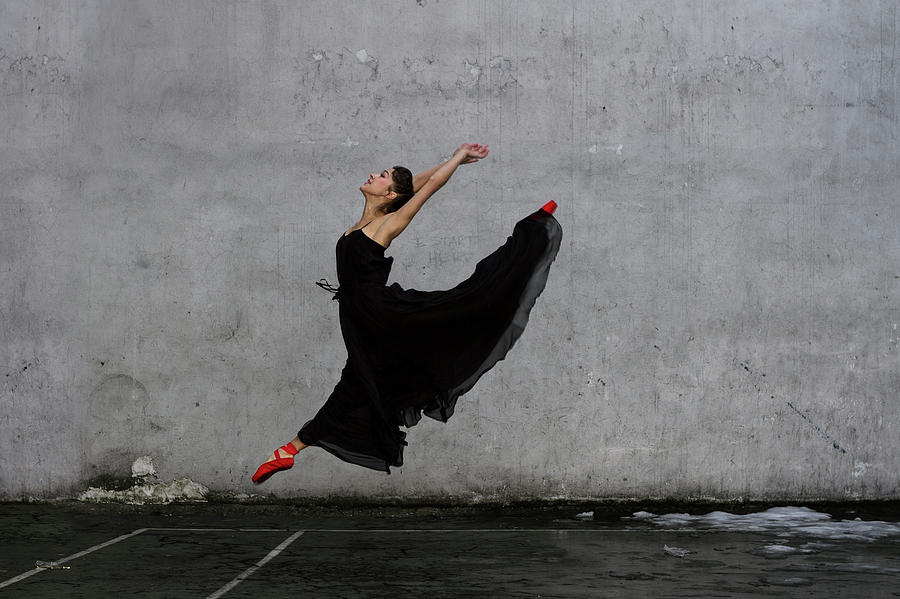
pixel 372 210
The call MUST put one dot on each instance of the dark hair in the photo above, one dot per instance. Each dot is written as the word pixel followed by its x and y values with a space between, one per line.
pixel 402 186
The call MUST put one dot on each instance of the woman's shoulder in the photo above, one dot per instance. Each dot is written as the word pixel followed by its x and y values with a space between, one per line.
pixel 374 230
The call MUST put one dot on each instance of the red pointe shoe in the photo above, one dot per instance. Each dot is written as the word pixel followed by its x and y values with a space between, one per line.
pixel 272 466
pixel 549 207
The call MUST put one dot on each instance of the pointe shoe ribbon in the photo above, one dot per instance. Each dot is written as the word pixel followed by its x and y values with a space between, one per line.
pixel 269 468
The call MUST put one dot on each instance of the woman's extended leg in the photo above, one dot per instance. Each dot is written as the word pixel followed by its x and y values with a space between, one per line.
pixel 281 459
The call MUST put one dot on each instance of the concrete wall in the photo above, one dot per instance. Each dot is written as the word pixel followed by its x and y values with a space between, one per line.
pixel 722 319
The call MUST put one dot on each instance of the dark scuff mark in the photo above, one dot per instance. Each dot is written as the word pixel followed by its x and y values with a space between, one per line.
pixel 758 384
pixel 816 428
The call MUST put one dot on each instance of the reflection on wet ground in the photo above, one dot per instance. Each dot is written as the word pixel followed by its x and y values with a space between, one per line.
pixel 558 550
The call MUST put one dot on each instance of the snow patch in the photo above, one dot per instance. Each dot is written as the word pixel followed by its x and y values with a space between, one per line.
pixel 143 466
pixel 778 550
pixel 144 491
pixel 182 489
pixel 676 551
pixel 785 521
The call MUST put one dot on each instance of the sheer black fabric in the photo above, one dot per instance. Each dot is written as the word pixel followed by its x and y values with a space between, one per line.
pixel 412 352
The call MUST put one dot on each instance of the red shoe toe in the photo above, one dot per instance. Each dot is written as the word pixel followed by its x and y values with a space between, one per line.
pixel 269 468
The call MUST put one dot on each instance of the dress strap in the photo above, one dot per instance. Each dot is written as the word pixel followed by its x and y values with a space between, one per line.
pixel 360 228
pixel 324 284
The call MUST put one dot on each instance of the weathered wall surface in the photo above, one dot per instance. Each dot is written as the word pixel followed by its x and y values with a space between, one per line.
pixel 722 319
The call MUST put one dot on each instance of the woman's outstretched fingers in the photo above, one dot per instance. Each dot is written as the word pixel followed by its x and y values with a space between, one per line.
pixel 473 152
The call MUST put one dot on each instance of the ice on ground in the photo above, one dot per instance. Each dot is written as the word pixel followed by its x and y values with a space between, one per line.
pixel 182 489
pixel 779 550
pixel 143 491
pixel 643 516
pixel 676 551
pixel 780 520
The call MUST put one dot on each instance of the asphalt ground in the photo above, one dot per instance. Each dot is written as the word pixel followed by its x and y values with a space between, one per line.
pixel 338 549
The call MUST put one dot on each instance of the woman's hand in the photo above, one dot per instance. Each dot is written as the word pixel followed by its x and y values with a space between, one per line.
pixel 465 154
pixel 472 152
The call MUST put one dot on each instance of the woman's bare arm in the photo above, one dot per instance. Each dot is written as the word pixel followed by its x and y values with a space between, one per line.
pixel 396 222
pixel 420 178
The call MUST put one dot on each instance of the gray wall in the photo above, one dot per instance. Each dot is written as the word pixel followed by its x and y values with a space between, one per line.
pixel 722 320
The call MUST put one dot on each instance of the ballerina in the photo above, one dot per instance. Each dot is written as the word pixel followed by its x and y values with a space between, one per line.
pixel 412 352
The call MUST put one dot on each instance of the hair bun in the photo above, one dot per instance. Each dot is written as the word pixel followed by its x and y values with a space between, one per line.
pixel 402 185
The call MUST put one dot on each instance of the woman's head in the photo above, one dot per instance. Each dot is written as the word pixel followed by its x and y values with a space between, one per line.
pixel 391 188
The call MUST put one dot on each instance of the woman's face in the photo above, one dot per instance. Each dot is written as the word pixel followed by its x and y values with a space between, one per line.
pixel 378 184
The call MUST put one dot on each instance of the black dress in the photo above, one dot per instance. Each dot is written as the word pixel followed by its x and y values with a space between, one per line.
pixel 412 352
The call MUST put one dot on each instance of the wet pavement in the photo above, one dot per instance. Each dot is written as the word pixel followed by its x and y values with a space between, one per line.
pixel 498 550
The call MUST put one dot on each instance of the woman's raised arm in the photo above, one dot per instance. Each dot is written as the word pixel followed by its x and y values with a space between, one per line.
pixel 419 179
pixel 425 184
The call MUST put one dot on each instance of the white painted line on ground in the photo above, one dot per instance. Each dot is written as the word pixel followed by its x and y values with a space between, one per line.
pixel 25 575
pixel 262 529
pixel 159 528
pixel 240 577
pixel 480 530
pixel 389 530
